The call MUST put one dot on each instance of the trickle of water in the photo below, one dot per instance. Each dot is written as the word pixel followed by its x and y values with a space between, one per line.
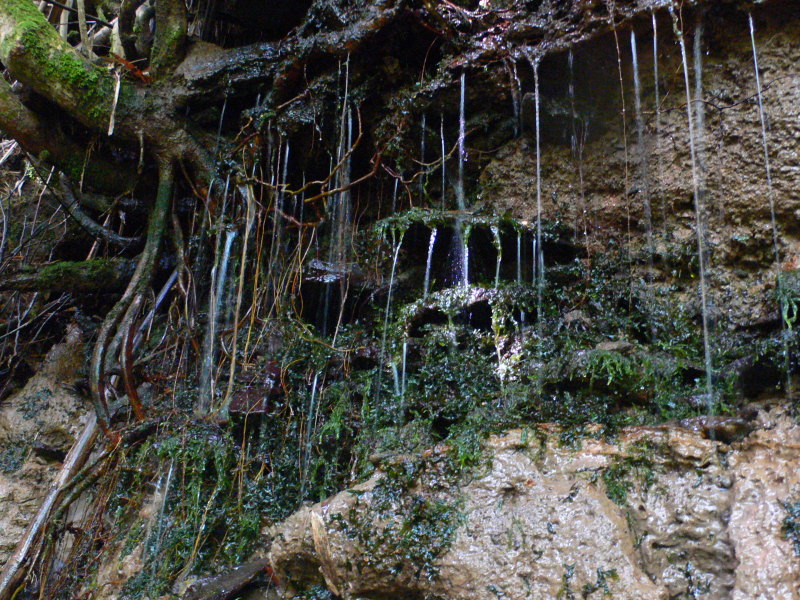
pixel 219 276
pixel 698 208
pixel 771 199
pixel 396 379
pixel 699 105
pixel 397 242
pixel 643 172
pixel 465 256
pixel 403 372
pixel 516 94
pixel 538 255
pixel 152 549
pixel 498 245
pixel 422 158
pixel 656 86
pixel 394 196
pixel 519 270
pixel 444 161
pixel 462 153
pixel 310 421
pixel 431 243
pixel 577 144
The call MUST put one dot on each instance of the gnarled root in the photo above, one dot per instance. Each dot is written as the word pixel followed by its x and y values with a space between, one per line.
pixel 121 315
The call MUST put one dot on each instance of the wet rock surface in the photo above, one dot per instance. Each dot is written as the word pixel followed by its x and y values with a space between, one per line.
pixel 38 425
pixel 662 512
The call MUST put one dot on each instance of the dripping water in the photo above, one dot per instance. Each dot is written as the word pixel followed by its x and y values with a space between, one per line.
pixel 771 199
pixel 655 72
pixel 538 254
pixel 516 87
pixel 422 158
pixel 643 172
pixel 219 279
pixel 397 242
pixel 577 144
pixel 519 269
pixel 394 196
pixel 461 145
pixel 164 493
pixel 431 243
pixel 498 245
pixel 465 256
pixel 698 208
pixel 444 161
pixel 699 105
pixel 403 371
pixel 309 434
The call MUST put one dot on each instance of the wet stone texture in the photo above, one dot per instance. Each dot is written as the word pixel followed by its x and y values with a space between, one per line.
pixel 663 512
pixel 599 187
pixel 38 426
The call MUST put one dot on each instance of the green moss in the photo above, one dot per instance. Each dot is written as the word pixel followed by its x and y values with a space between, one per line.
pixel 12 458
pixel 790 528
pixel 636 467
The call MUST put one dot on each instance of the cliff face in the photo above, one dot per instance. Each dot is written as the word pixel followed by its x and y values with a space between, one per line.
pixel 663 512
pixel 704 508
pixel 535 314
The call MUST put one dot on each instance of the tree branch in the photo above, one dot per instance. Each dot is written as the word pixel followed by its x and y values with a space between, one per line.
pixel 169 44
pixel 85 277
pixel 47 141
pixel 73 208
pixel 35 54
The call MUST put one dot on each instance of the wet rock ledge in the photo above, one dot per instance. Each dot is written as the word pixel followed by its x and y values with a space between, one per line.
pixel 663 512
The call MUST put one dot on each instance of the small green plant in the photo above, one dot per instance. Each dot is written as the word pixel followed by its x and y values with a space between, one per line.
pixel 790 528
pixel 625 471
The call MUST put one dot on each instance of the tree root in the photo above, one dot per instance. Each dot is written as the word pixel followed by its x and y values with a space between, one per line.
pixel 121 311
pixel 73 208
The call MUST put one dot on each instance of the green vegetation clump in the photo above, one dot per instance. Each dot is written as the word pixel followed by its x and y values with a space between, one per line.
pixel 635 467
pixel 790 528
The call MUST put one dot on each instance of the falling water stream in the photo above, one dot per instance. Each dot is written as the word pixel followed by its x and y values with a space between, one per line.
pixel 309 435
pixel 642 151
pixel 538 254
pixel 429 260
pixel 397 242
pixel 698 208
pixel 498 246
pixel 656 88
pixel 771 199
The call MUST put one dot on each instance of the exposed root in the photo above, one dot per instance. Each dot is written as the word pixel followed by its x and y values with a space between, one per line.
pixel 138 284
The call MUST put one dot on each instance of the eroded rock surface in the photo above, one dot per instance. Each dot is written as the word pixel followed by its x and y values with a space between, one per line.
pixel 662 513
pixel 38 425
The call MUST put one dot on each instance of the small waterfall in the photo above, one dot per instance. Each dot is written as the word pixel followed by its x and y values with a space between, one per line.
pixel 403 370
pixel 444 161
pixel 519 270
pixel 422 159
pixel 155 538
pixel 498 245
pixel 462 153
pixel 699 105
pixel 643 172
pixel 771 199
pixel 431 243
pixel 309 435
pixel 577 143
pixel 538 254
pixel 516 94
pixel 656 86
pixel 394 195
pixel 397 242
pixel 215 301
pixel 698 208
pixel 465 256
